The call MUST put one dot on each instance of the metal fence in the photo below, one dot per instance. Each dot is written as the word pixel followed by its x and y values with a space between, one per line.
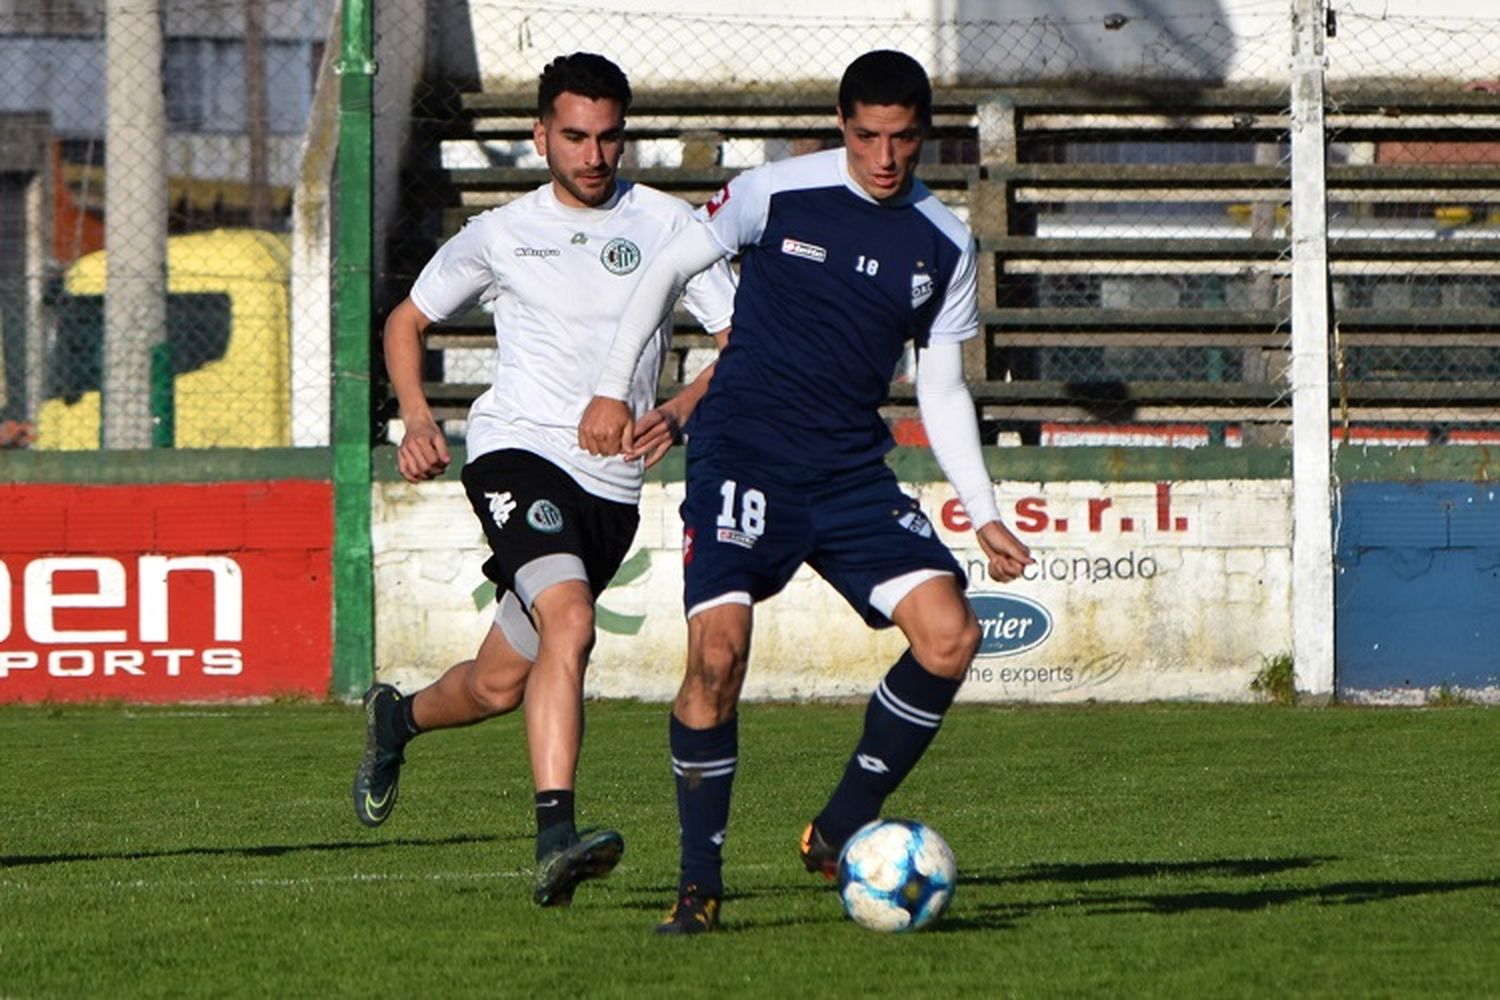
pixel 1125 167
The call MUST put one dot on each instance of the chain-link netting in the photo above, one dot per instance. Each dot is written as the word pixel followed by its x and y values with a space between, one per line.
pixel 1414 180
pixel 152 155
pixel 1125 167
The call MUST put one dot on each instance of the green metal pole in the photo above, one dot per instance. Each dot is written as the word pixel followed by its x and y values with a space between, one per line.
pixel 353 581
pixel 163 398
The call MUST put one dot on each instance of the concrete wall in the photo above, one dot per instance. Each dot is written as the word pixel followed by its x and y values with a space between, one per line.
pixel 1152 590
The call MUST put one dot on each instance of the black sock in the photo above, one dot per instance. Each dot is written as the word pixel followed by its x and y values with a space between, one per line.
pixel 394 725
pixel 703 762
pixel 554 820
pixel 902 718
pixel 405 721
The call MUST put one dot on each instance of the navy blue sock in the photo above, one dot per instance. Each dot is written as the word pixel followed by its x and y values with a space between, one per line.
pixel 703 762
pixel 902 718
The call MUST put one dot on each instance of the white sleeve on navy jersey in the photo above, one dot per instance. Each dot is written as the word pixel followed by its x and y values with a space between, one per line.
pixel 948 415
pixel 691 250
pixel 709 296
pixel 958 317
pixel 458 275
pixel 736 216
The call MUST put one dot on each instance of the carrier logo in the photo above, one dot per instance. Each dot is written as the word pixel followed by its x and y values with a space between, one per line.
pixel 807 251
pixel 1009 624
pixel 620 256
pixel 545 517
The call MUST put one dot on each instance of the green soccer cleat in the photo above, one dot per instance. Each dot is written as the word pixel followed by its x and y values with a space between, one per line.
pixel 694 913
pixel 379 771
pixel 818 855
pixel 594 855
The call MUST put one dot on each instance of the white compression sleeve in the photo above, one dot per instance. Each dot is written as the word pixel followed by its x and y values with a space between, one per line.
pixel 948 415
pixel 692 250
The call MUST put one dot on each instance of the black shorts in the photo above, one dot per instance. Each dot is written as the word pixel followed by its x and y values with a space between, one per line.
pixel 532 510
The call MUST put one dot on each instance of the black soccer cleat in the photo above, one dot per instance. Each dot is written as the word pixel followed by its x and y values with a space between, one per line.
pixel 594 855
pixel 818 855
pixel 694 913
pixel 379 772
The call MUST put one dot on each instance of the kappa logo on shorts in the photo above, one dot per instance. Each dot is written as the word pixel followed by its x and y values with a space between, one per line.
pixel 620 256
pixel 687 545
pixel 501 505
pixel 544 516
pixel 916 522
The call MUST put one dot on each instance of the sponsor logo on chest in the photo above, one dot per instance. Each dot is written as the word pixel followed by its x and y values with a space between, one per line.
pixel 807 251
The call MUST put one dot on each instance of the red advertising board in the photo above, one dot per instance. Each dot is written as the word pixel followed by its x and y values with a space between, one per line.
pixel 162 593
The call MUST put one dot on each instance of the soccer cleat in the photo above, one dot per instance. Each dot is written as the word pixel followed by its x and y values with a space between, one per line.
pixel 818 855
pixel 694 913
pixel 379 771
pixel 594 855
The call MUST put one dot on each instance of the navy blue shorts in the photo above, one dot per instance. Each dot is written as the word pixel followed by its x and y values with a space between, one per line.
pixel 750 522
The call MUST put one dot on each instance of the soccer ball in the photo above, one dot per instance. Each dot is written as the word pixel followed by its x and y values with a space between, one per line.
pixel 896 875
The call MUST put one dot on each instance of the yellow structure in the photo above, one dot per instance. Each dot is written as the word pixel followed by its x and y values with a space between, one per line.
pixel 239 400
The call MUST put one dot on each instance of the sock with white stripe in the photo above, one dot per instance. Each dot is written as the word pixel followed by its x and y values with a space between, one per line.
pixel 703 762
pixel 902 718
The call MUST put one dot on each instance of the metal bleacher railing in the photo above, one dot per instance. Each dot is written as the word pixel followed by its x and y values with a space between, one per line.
pixel 1135 248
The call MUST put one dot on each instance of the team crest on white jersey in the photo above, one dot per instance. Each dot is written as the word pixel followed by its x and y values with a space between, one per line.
pixel 921 288
pixel 501 505
pixel 545 517
pixel 620 256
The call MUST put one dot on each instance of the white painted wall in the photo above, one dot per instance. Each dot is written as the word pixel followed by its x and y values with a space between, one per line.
pixel 745 42
pixel 1200 605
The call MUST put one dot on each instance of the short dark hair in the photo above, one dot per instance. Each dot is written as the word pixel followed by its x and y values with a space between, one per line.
pixel 886 77
pixel 584 74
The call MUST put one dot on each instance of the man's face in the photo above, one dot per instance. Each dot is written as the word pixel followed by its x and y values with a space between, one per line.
pixel 882 142
pixel 582 140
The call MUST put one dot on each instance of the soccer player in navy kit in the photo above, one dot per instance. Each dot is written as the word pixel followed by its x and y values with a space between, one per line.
pixel 844 257
pixel 556 266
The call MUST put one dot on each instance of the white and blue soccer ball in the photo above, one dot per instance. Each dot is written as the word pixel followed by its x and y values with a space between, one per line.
pixel 896 875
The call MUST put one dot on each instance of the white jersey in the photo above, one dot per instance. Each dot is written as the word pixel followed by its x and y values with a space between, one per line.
pixel 557 279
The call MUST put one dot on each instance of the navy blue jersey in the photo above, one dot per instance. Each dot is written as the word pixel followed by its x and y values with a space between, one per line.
pixel 833 284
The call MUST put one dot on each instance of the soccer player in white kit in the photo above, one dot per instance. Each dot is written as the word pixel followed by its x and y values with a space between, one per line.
pixel 556 266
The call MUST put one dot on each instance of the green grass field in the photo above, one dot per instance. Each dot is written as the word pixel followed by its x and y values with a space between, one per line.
pixel 1166 850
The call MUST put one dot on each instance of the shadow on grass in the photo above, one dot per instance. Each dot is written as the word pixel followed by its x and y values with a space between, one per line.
pixel 253 851
pixel 996 916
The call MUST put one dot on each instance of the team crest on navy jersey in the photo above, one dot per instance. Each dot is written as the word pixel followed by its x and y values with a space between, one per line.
pixel 921 287
pixel 916 522
pixel 620 256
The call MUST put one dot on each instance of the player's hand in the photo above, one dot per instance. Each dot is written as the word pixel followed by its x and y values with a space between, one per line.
pixel 655 434
pixel 605 428
pixel 424 450
pixel 1008 555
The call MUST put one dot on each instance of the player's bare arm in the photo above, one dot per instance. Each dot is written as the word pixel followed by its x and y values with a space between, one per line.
pixel 1008 556
pixel 661 427
pixel 424 448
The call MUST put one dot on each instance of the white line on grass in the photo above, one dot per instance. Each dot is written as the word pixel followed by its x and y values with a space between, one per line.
pixel 275 883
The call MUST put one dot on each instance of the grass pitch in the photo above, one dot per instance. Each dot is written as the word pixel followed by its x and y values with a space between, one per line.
pixel 1167 850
